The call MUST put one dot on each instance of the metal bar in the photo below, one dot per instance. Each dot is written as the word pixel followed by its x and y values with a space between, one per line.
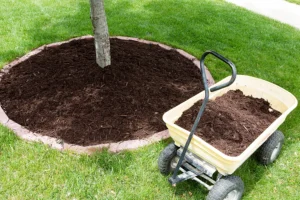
pixel 198 172
pixel 198 180
pixel 208 178
pixel 198 163
pixel 193 169
pixel 182 177
pixel 203 183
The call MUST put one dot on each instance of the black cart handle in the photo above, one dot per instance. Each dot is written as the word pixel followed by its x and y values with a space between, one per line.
pixel 205 100
pixel 225 60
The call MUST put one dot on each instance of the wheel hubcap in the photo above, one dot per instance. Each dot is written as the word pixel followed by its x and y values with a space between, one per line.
pixel 233 195
pixel 275 152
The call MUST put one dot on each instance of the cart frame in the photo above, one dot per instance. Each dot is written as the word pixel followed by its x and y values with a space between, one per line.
pixel 205 164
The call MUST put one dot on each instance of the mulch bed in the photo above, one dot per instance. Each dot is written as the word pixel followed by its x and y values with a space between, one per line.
pixel 61 92
pixel 231 122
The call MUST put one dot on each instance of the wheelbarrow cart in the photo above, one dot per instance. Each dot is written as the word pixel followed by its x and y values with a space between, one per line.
pixel 199 160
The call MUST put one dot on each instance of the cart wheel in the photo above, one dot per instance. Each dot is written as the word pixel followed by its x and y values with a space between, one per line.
pixel 168 160
pixel 270 150
pixel 227 188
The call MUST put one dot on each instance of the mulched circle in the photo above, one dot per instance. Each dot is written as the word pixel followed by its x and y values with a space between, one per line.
pixel 61 92
pixel 231 122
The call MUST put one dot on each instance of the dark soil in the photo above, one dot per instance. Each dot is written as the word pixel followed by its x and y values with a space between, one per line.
pixel 231 122
pixel 61 92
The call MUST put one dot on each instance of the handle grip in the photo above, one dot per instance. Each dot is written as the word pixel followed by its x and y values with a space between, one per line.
pixel 225 60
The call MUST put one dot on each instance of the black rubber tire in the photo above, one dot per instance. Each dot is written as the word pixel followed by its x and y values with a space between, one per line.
pixel 226 185
pixel 165 158
pixel 273 144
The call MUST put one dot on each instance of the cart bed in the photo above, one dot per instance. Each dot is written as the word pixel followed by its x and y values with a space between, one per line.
pixel 279 99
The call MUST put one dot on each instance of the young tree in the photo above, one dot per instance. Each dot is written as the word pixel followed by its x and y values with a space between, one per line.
pixel 101 34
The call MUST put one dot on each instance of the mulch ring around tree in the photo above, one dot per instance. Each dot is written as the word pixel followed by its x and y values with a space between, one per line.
pixel 231 122
pixel 61 92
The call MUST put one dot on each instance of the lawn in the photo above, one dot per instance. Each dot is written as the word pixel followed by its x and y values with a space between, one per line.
pixel 258 46
pixel 294 1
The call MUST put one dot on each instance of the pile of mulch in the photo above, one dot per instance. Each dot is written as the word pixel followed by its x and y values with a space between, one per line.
pixel 231 122
pixel 61 92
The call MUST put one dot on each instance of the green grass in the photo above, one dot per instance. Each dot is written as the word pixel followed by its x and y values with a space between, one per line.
pixel 258 46
pixel 294 1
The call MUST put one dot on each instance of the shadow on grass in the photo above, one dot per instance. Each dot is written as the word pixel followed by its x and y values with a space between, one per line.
pixel 250 172
pixel 111 161
pixel 129 18
pixel 117 162
pixel 48 29
pixel 192 26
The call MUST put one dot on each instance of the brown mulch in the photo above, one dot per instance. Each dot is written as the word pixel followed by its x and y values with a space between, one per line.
pixel 231 122
pixel 61 92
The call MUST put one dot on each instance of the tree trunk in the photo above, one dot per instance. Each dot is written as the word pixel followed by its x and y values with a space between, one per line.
pixel 101 35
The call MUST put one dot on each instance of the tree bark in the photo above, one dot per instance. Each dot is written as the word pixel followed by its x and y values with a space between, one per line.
pixel 101 34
